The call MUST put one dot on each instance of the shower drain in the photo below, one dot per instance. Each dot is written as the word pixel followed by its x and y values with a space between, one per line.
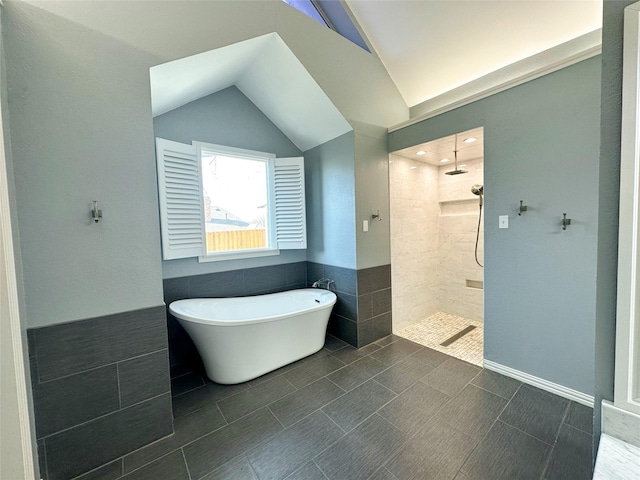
pixel 457 336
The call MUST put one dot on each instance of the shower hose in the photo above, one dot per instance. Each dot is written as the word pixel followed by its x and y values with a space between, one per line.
pixel 478 236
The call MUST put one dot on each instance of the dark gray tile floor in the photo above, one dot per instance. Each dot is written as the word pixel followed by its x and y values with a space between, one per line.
pixel 393 410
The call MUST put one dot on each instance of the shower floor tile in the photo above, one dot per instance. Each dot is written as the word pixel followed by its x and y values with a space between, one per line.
pixel 438 328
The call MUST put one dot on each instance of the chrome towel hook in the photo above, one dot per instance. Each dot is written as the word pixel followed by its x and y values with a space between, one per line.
pixel 96 213
pixel 523 208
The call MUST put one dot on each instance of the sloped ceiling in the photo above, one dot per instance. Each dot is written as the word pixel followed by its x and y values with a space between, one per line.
pixel 431 47
pixel 266 72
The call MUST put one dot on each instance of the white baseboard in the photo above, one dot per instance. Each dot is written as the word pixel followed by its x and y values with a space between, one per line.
pixel 620 423
pixel 541 383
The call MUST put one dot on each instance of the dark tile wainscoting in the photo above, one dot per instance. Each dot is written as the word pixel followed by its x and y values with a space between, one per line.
pixel 361 315
pixel 101 389
pixel 234 283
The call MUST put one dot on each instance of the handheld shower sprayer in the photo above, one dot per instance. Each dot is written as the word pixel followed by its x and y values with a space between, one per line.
pixel 478 190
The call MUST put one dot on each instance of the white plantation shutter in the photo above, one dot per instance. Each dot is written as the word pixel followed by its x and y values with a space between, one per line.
pixel 290 218
pixel 181 202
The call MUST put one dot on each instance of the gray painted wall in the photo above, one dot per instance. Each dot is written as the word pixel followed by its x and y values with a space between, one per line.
pixel 80 124
pixel 372 195
pixel 541 146
pixel 608 203
pixel 81 130
pixel 12 449
pixel 330 188
pixel 226 118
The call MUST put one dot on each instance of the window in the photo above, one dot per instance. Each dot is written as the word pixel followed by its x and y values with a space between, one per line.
pixel 236 202
pixel 310 9
pixel 333 15
pixel 219 203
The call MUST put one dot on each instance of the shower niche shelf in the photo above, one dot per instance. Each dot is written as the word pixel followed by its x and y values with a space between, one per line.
pixel 477 284
pixel 466 206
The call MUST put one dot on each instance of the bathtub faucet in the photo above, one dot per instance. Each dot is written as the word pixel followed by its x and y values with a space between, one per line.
pixel 325 283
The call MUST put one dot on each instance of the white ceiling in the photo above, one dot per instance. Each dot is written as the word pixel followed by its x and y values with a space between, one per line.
pixel 432 46
pixel 443 148
pixel 266 71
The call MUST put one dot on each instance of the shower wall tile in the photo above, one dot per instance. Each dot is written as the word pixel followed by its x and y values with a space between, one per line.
pixel 100 387
pixel 433 232
pixel 457 245
pixel 414 240
pixel 458 187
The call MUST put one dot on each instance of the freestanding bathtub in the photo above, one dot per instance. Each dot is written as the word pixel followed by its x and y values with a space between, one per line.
pixel 243 338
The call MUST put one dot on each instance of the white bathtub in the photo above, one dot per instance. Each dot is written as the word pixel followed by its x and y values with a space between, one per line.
pixel 243 338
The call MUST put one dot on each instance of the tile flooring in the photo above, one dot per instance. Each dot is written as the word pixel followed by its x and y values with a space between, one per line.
pixel 391 410
pixel 436 329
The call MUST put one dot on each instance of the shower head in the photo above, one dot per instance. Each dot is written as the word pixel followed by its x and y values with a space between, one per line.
pixel 456 170
pixel 477 189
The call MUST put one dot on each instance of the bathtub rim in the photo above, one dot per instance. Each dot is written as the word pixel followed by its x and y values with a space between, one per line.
pixel 217 322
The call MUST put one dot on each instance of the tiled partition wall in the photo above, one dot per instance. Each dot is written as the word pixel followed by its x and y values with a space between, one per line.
pixel 101 389
pixel 433 230
pixel 363 312
pixel 457 227
pixel 361 315
pixel 415 241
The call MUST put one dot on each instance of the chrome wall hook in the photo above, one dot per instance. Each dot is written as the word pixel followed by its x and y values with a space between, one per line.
pixel 565 221
pixel 96 213
pixel 523 208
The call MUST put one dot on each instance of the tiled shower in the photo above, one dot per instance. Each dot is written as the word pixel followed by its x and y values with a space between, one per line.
pixel 434 221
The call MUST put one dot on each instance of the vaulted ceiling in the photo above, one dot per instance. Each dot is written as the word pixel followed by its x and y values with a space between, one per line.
pixel 432 46
pixel 429 48
pixel 268 73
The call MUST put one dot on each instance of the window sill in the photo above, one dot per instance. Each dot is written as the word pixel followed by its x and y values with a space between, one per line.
pixel 219 257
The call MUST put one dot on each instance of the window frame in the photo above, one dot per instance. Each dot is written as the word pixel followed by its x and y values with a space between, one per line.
pixel 269 159
pixel 182 209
